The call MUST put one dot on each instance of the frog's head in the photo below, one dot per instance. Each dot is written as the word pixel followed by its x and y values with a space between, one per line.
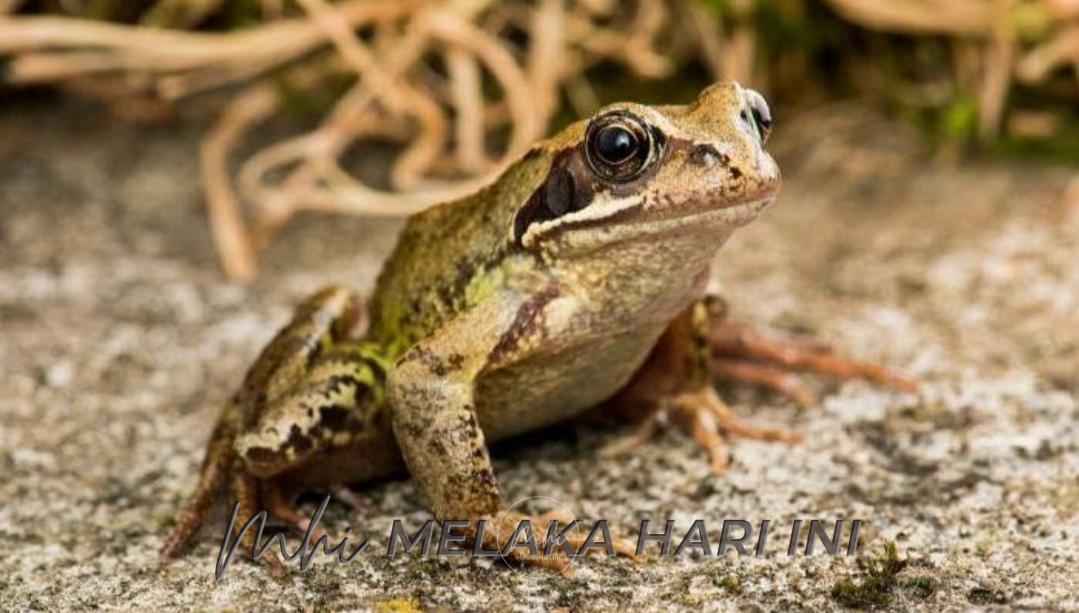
pixel 634 170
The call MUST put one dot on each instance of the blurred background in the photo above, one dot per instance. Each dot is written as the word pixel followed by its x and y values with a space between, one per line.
pixel 447 92
pixel 176 174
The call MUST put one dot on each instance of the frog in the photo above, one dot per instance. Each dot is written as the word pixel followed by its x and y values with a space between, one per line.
pixel 577 281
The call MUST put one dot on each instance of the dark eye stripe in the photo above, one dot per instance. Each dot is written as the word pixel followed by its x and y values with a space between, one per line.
pixel 565 189
pixel 573 179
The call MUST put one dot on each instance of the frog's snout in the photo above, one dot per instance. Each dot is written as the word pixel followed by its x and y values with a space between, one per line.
pixel 727 101
pixel 756 118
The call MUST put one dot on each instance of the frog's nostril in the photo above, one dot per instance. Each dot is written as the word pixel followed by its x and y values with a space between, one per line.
pixel 707 156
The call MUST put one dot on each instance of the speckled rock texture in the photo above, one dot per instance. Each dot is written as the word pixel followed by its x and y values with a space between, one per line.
pixel 119 340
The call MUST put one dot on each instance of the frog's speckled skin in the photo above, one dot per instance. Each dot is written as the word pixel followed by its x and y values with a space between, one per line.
pixel 495 316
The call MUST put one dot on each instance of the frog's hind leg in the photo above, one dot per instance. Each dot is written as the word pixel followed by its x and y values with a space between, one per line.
pixel 740 353
pixel 675 386
pixel 331 409
pixel 675 383
pixel 326 318
pixel 212 479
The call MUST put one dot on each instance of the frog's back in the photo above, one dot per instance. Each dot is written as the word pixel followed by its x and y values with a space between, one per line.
pixel 440 255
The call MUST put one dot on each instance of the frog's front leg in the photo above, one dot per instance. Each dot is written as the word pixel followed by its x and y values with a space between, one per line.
pixel 431 392
pixel 435 424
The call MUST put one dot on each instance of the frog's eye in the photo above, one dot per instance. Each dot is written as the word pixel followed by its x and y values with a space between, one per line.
pixel 757 114
pixel 620 147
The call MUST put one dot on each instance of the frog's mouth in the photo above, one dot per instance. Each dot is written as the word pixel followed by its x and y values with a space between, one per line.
pixel 737 213
pixel 715 210
pixel 638 219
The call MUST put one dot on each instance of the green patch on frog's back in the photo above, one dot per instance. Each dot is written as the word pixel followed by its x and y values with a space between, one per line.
pixel 447 259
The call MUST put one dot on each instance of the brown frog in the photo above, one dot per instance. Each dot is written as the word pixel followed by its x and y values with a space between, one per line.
pixel 575 280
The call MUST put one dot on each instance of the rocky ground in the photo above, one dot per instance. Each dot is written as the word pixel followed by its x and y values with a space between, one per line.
pixel 119 339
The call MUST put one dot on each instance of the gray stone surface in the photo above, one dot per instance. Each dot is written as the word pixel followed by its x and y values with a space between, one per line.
pixel 119 339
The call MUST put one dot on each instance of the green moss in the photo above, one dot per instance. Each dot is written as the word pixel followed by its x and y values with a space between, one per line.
pixel 165 520
pixel 877 584
pixel 731 583
pixel 960 119
pixel 921 586
pixel 1061 147
pixel 986 596
pixel 422 568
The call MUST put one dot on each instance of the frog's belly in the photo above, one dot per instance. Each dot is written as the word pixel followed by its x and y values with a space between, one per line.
pixel 547 387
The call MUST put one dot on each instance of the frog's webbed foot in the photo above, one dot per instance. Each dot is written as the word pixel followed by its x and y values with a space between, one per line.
pixel 499 533
pixel 277 504
pixel 740 353
pixel 702 414
pixel 252 495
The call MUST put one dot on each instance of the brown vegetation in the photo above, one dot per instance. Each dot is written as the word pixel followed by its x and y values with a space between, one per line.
pixel 461 87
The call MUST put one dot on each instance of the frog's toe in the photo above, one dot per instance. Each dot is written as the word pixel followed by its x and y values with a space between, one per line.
pixel 780 381
pixel 212 478
pixel 502 535
pixel 701 414
pixel 252 495
pixel 740 353
pixel 641 435
pixel 278 506
pixel 351 498
pixel 183 531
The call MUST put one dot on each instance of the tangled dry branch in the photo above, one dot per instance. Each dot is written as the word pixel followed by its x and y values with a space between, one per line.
pixel 461 86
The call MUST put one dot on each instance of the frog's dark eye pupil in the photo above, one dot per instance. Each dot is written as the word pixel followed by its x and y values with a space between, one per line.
pixel 615 144
pixel 620 146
